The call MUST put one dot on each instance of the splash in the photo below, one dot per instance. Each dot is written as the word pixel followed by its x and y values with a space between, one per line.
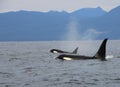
pixel 72 31
pixel 71 36
pixel 90 34
pixel 109 56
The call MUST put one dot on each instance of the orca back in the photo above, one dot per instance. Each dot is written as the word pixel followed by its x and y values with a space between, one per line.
pixel 101 53
pixel 75 51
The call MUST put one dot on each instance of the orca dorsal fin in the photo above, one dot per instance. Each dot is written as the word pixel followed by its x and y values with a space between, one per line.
pixel 101 53
pixel 75 51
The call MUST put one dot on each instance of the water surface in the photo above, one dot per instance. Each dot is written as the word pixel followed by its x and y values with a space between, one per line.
pixel 30 64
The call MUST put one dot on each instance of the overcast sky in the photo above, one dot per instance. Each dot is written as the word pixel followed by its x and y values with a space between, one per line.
pixel 59 5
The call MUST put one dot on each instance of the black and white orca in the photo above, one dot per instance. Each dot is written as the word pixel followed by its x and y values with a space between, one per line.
pixel 60 51
pixel 101 54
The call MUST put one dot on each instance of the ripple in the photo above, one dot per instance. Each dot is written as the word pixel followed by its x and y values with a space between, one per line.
pixel 6 75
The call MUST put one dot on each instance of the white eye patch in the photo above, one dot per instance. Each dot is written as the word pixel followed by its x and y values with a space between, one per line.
pixel 67 58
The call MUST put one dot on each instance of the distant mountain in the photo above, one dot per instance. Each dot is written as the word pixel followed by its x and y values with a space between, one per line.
pixel 27 25
pixel 110 23
pixel 52 25
pixel 89 12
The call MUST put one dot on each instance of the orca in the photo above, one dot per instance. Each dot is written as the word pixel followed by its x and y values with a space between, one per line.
pixel 101 54
pixel 60 51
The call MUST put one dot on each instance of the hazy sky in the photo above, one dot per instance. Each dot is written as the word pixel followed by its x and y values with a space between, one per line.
pixel 59 5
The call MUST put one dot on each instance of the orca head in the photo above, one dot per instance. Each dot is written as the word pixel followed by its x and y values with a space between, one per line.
pixel 54 51
pixel 64 57
pixel 60 57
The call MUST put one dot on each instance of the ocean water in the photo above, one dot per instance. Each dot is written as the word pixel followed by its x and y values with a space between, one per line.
pixel 30 64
